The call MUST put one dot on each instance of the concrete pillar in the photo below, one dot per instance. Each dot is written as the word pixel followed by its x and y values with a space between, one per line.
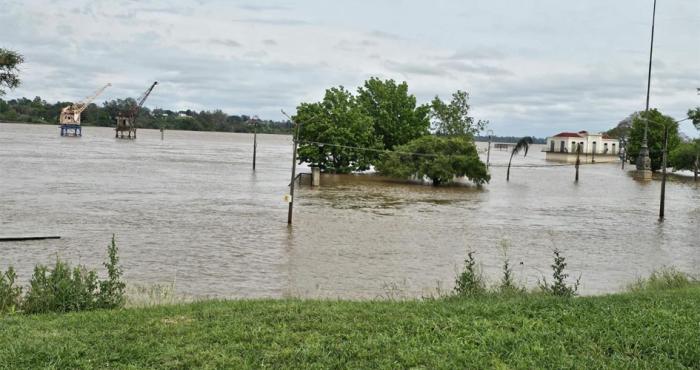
pixel 315 176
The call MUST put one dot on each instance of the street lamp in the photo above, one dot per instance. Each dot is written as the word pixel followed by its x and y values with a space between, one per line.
pixel 643 160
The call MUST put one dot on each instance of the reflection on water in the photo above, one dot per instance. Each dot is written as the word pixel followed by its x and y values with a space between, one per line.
pixel 190 210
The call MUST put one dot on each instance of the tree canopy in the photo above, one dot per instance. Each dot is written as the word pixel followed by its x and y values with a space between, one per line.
pixel 685 156
pixel 395 116
pixel 655 138
pixel 453 118
pixel 333 131
pixel 9 61
pixel 440 159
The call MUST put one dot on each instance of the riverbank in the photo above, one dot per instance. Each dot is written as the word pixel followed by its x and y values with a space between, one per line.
pixel 647 329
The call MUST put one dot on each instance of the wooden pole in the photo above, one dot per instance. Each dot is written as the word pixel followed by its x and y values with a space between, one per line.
pixel 663 179
pixel 578 159
pixel 255 142
pixel 488 153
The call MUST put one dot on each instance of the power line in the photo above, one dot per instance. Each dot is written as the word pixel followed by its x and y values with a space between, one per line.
pixel 427 154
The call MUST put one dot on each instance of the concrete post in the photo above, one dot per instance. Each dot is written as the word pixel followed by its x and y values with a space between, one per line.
pixel 315 176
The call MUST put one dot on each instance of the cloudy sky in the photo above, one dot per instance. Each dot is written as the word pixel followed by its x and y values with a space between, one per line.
pixel 532 67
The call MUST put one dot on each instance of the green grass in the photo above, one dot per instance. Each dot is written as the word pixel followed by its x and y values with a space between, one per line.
pixel 643 329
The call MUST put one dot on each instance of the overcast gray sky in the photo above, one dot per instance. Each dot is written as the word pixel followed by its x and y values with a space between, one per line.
pixel 532 67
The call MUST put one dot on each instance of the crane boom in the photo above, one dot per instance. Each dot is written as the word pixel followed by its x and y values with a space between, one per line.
pixel 139 102
pixel 127 120
pixel 71 113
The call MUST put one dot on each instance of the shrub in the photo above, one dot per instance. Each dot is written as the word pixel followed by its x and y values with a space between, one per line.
pixel 61 289
pixel 65 289
pixel 112 290
pixel 10 295
pixel 560 287
pixel 470 281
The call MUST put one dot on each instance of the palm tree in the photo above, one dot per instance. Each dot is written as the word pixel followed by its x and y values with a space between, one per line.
pixel 523 144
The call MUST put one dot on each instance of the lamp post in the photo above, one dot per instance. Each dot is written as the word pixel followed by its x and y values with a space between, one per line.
pixel 643 160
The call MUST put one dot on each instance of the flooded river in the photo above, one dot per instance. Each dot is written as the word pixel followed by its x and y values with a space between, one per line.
pixel 190 210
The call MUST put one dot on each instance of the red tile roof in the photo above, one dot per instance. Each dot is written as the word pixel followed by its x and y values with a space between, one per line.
pixel 567 134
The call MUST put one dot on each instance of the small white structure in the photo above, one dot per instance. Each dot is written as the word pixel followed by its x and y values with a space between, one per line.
pixel 594 147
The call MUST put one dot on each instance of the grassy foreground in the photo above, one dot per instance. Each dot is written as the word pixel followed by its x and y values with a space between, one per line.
pixel 646 329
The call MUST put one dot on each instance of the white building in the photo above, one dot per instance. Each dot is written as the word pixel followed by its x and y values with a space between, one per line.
pixel 594 147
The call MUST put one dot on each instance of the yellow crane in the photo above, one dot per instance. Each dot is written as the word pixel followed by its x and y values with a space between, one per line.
pixel 69 119
pixel 70 115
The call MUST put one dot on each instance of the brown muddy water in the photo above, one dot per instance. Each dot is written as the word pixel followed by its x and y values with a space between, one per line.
pixel 190 211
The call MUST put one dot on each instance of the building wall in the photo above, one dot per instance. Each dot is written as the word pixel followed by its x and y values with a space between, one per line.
pixel 585 158
pixel 587 143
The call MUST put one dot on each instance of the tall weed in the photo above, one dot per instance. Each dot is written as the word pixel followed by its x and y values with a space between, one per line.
pixel 560 287
pixel 10 294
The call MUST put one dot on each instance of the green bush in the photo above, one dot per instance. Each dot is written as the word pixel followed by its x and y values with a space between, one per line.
pixel 10 294
pixel 470 281
pixel 61 289
pixel 65 289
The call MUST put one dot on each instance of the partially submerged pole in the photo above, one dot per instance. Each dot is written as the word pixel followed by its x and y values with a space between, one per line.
pixel 294 169
pixel 663 179
pixel 488 152
pixel 578 160
pixel 255 142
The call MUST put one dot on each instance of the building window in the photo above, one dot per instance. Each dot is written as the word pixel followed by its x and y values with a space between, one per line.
pixel 562 147
pixel 613 148
pixel 551 146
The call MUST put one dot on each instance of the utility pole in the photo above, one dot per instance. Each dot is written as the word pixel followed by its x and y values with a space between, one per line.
pixel 488 153
pixel 295 137
pixel 578 159
pixel 663 179
pixel 255 139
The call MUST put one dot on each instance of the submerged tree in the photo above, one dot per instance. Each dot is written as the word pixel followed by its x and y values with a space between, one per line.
pixel 522 144
pixel 9 60
pixel 336 135
pixel 686 157
pixel 396 117
pixel 440 159
pixel 453 118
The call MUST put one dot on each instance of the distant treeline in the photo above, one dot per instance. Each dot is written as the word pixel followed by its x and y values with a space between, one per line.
pixel 39 111
pixel 509 139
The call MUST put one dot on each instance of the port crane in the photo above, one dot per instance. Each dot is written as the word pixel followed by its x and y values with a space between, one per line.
pixel 69 118
pixel 127 120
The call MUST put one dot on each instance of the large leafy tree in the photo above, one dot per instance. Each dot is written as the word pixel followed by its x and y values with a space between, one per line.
pixel 655 136
pixel 686 157
pixel 9 61
pixel 453 118
pixel 438 158
pixel 336 134
pixel 395 116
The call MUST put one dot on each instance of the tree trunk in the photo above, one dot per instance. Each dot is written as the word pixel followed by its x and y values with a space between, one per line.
pixel 508 172
pixel 697 164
